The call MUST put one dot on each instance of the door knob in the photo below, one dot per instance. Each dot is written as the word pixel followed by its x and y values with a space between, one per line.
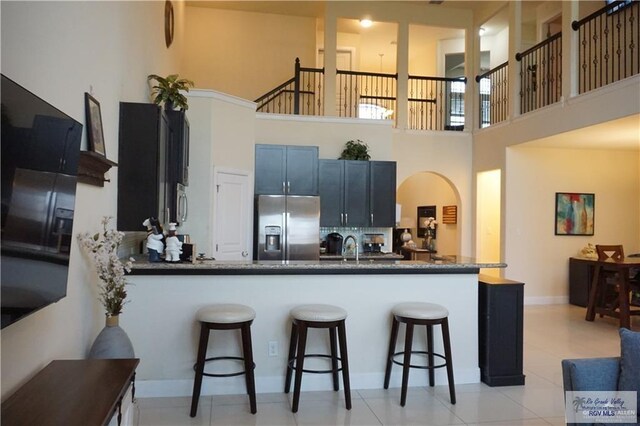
pixel 245 253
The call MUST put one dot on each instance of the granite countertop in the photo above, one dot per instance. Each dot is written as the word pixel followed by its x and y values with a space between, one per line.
pixel 363 256
pixel 438 265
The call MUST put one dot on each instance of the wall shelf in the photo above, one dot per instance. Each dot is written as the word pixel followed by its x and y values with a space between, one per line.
pixel 92 167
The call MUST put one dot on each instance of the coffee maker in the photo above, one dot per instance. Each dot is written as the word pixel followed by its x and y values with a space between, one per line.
pixel 334 243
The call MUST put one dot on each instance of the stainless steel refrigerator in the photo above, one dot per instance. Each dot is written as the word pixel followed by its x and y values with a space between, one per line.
pixel 287 227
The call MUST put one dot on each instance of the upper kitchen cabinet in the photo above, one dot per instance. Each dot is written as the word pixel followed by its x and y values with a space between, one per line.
pixel 142 165
pixel 179 147
pixel 331 189
pixel 357 193
pixel 286 170
pixel 382 193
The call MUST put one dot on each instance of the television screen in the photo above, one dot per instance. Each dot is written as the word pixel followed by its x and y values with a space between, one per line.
pixel 40 153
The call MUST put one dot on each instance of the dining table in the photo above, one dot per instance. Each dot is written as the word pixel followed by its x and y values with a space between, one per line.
pixel 622 309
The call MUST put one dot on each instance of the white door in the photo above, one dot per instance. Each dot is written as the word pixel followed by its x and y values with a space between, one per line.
pixel 233 215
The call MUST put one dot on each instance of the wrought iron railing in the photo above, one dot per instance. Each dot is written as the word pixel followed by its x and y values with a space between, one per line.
pixel 608 45
pixel 541 74
pixel 302 94
pixel 436 103
pixel 493 90
pixel 366 94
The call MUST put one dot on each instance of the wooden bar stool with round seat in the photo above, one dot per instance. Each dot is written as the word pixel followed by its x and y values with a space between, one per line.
pixel 317 316
pixel 427 314
pixel 225 317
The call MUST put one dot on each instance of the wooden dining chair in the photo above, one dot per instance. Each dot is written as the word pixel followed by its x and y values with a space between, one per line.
pixel 609 287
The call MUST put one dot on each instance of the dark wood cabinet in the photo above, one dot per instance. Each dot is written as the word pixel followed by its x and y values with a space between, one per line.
pixel 357 193
pixel 286 170
pixel 73 392
pixel 142 165
pixel 331 189
pixel 500 331
pixel 382 193
pixel 178 147
pixel 580 279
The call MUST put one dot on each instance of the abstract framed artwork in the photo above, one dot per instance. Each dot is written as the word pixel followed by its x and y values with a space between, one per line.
pixel 575 213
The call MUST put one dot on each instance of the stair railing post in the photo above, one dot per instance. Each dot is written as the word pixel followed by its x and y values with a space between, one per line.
pixel 296 88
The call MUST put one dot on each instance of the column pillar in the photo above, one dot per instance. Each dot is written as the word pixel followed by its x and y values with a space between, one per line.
pixel 330 48
pixel 402 68
pixel 570 46
pixel 515 38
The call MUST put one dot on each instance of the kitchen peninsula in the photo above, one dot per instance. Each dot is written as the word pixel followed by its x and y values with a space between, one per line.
pixel 164 297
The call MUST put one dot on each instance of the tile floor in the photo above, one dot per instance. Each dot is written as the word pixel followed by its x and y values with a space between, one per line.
pixel 552 333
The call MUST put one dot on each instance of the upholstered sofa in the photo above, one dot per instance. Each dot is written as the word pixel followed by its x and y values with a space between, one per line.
pixel 606 374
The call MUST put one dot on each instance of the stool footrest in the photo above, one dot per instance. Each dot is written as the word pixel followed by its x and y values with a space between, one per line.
pixel 221 358
pixel 423 367
pixel 331 370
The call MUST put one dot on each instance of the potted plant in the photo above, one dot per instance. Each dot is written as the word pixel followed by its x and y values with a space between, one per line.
pixel 355 150
pixel 102 248
pixel 168 89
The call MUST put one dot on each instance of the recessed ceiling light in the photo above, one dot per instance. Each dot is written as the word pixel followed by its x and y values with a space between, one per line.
pixel 366 23
pixel 481 31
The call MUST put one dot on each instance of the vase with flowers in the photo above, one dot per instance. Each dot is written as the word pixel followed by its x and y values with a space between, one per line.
pixel 102 248
pixel 430 224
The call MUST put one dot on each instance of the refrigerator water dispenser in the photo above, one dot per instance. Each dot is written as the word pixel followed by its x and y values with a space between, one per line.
pixel 272 238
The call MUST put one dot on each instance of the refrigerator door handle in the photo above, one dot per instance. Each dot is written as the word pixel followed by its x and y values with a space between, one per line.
pixel 285 236
pixel 346 218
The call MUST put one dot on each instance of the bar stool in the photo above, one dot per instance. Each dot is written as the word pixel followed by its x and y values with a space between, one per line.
pixel 317 316
pixel 417 313
pixel 225 317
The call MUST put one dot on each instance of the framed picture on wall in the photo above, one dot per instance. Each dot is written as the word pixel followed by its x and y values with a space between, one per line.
pixel 575 213
pixel 95 134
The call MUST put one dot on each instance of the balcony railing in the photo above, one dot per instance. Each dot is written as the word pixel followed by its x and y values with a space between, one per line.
pixel 366 94
pixel 608 45
pixel 436 103
pixel 541 74
pixel 493 91
pixel 301 94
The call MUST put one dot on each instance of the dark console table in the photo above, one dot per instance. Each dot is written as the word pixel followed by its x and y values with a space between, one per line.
pixel 580 280
pixel 71 392
pixel 500 331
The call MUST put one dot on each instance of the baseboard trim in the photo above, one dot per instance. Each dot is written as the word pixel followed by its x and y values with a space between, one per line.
pixel 275 384
pixel 546 300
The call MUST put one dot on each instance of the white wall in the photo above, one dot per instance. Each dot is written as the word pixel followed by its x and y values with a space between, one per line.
pixel 59 50
pixel 222 134
pixel 534 254
pixel 447 154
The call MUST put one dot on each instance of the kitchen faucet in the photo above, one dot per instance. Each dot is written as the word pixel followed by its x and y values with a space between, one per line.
pixel 355 241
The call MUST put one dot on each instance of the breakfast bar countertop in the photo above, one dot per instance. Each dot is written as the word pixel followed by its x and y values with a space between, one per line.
pixel 437 265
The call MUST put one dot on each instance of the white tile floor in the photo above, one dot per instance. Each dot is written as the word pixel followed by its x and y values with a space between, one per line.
pixel 552 333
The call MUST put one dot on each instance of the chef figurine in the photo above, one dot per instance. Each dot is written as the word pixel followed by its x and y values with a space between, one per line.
pixel 174 245
pixel 155 246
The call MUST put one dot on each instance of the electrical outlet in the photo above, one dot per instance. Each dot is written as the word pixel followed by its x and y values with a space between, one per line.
pixel 273 348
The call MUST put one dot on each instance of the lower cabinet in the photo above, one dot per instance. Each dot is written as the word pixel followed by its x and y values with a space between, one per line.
pixel 580 278
pixel 500 331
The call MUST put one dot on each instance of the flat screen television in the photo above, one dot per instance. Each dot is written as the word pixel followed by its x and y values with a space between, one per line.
pixel 40 154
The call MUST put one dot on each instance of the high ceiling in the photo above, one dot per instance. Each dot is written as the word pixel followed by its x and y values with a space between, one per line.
pixel 623 133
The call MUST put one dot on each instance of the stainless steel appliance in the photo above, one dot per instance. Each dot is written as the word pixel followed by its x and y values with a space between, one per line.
pixel 181 204
pixel 372 243
pixel 286 227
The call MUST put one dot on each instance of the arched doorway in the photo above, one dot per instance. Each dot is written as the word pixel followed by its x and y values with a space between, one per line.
pixel 431 189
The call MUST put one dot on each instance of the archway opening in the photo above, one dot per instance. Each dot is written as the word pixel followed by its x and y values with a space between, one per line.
pixel 433 190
